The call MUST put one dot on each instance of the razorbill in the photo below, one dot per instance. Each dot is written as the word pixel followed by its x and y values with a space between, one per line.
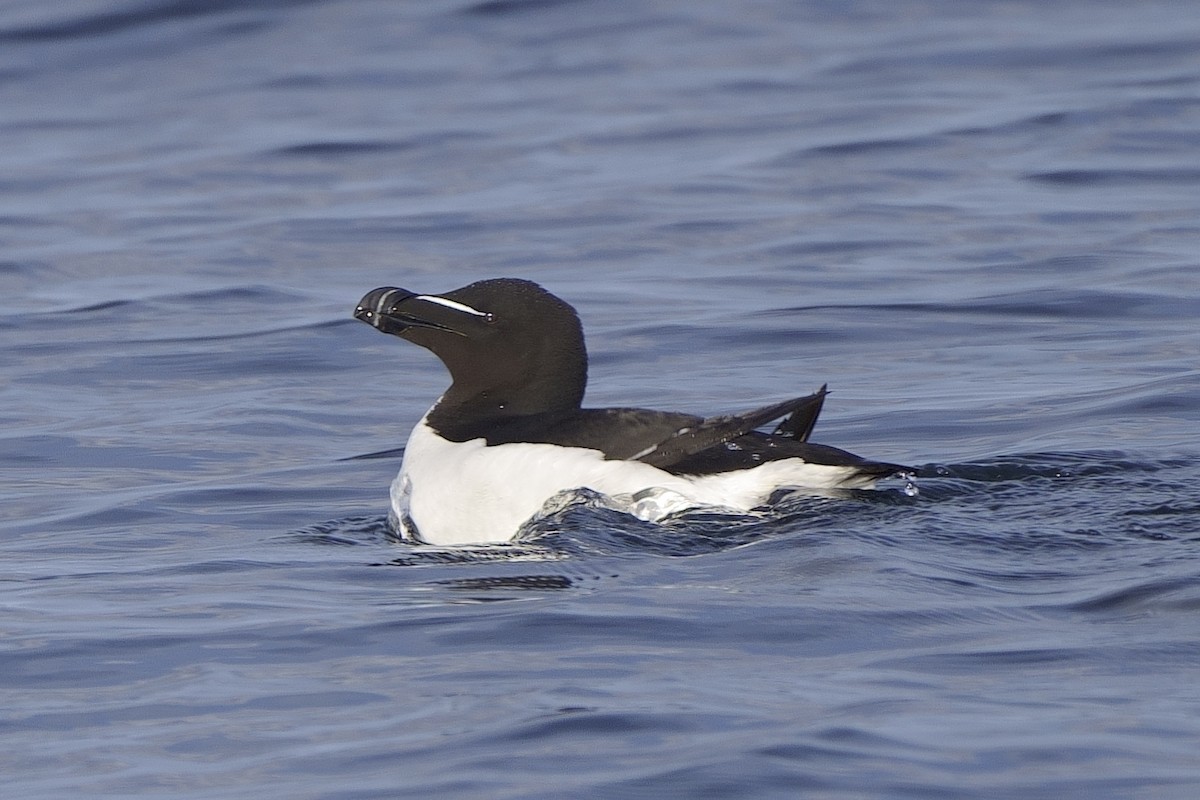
pixel 510 432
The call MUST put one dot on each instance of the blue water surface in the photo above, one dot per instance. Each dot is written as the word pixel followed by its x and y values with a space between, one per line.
pixel 978 222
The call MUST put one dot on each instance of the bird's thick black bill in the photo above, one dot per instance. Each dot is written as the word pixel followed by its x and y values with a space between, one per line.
pixel 377 309
pixel 395 311
pixel 383 309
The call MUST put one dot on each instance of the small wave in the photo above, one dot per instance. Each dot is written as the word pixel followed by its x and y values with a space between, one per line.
pixel 439 140
pixel 330 149
pixel 509 7
pixel 1026 466
pixel 156 296
pixel 1035 304
pixel 523 583
pixel 120 20
pixel 345 532
pixel 1116 177
pixel 1177 593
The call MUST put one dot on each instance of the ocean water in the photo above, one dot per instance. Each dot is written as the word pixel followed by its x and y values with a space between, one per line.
pixel 978 222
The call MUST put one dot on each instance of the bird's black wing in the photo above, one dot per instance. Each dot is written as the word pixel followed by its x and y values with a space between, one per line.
pixel 683 444
pixel 800 423
pixel 657 438
pixel 694 438
pixel 756 448
pixel 619 433
pixel 622 434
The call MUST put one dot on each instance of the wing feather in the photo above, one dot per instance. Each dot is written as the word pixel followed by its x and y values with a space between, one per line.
pixel 694 438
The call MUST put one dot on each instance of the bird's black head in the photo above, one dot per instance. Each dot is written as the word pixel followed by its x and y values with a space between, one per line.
pixel 511 347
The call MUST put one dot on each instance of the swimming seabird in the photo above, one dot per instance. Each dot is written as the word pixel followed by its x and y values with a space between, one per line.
pixel 511 432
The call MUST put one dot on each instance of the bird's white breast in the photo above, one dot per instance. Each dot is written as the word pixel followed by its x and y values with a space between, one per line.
pixel 467 492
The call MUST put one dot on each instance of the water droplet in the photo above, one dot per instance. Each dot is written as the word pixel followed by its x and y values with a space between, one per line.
pixel 910 484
